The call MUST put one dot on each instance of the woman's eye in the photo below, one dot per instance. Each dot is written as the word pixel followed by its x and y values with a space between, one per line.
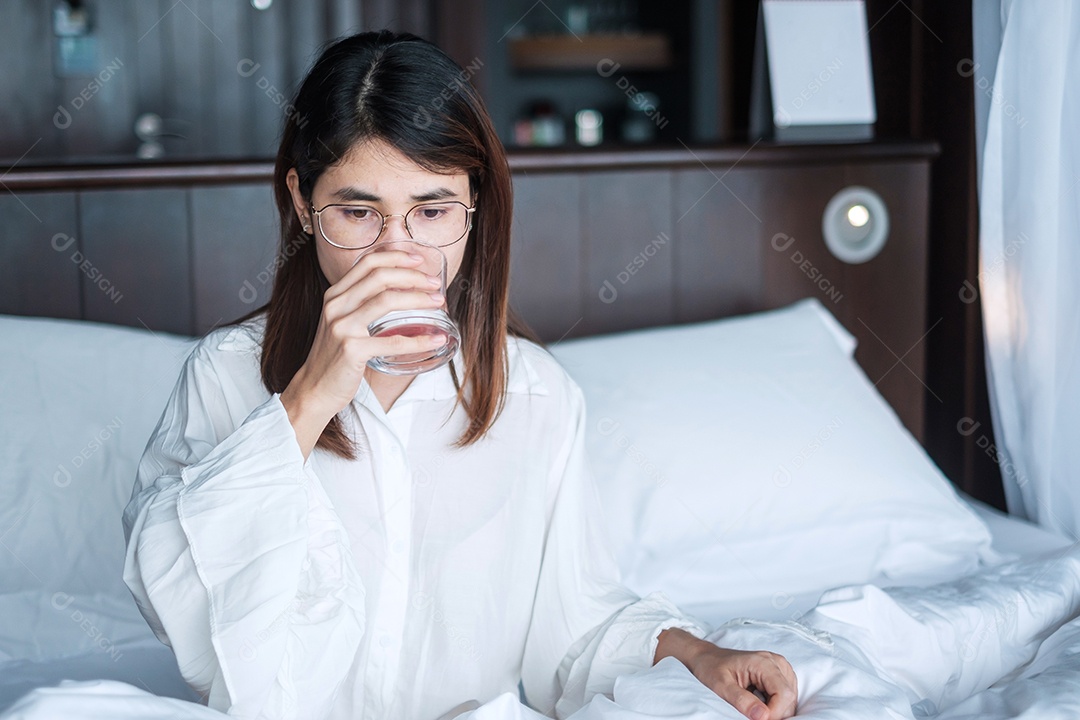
pixel 359 213
pixel 429 214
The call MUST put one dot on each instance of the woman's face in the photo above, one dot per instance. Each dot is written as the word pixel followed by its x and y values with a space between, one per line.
pixel 386 180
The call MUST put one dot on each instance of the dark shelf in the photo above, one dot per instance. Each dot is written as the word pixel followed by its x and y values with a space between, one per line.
pixel 761 153
pixel 643 51
pixel 129 174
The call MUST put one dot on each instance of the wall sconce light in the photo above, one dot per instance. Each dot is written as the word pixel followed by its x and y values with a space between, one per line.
pixel 855 224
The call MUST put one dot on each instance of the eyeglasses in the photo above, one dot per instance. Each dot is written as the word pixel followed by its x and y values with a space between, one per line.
pixel 351 227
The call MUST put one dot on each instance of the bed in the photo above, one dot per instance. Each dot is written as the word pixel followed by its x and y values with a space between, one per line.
pixel 758 478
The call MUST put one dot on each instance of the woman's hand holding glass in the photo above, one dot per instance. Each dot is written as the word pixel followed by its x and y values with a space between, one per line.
pixel 418 320
pixel 429 226
pixel 326 383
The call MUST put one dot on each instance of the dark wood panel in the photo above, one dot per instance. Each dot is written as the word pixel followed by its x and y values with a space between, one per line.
pixel 895 39
pixel 461 31
pixel 108 116
pixel 230 103
pixel 268 37
pixel 183 32
pixel 717 242
pixel 627 228
pixel 40 255
pixel 234 242
pixel 797 263
pixel 890 314
pixel 956 361
pixel 78 131
pixel 26 46
pixel 306 22
pixel 342 17
pixel 136 247
pixel 546 274
pixel 400 15
pixel 152 56
pixel 176 59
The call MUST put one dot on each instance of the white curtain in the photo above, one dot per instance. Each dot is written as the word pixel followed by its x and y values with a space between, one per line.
pixel 1029 210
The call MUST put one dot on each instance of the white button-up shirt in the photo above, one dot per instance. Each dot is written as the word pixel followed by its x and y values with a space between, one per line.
pixel 396 585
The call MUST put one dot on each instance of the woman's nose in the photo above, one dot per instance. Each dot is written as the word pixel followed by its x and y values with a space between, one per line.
pixel 394 228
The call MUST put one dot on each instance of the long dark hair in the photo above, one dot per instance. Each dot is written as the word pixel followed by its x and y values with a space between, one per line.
pixel 403 90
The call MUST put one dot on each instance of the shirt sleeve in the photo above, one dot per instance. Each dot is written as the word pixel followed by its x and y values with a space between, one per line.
pixel 587 628
pixel 237 559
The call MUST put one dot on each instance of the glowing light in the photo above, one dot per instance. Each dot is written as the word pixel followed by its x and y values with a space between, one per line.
pixel 858 215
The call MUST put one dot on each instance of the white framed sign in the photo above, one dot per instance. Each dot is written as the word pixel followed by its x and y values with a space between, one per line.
pixel 812 73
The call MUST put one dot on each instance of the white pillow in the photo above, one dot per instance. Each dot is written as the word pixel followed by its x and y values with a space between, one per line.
pixel 77 406
pixel 751 457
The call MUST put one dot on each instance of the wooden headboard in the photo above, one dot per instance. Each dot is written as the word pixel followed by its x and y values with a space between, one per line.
pixel 603 241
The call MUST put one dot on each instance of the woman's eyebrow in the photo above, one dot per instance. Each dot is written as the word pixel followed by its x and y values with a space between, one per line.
pixel 436 194
pixel 355 194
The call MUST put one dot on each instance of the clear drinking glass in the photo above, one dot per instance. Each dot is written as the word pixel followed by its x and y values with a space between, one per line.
pixel 424 321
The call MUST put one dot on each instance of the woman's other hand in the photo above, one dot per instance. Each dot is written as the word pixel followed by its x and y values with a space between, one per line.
pixel 735 674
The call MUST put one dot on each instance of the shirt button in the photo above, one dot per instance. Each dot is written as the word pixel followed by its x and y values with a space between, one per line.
pixel 398 546
pixel 385 641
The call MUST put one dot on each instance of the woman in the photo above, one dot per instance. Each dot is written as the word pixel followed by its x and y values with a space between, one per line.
pixel 315 539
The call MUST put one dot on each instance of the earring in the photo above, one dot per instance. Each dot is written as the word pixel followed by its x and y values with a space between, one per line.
pixel 307 228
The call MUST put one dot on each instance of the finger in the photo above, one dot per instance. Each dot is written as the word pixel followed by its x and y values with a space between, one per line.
pixel 781 708
pixel 744 701
pixel 375 307
pixel 789 673
pixel 784 667
pixel 366 263
pixel 355 324
pixel 391 345
pixel 379 280
pixel 767 676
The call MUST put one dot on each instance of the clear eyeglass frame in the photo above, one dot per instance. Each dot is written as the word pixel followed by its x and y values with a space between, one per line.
pixel 405 218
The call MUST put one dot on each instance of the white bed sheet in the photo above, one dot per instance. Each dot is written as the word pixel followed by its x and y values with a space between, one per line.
pixel 145 663
pixel 1012 537
pixel 1003 647
pixel 1015 536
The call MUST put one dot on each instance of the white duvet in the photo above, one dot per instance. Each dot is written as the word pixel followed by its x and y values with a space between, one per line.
pixel 1004 643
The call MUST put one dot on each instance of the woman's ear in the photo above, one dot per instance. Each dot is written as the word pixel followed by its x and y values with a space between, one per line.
pixel 302 207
